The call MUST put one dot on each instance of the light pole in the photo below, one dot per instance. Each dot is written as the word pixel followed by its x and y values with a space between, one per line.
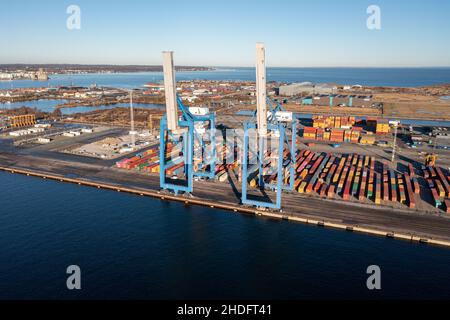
pixel 132 132
pixel 394 147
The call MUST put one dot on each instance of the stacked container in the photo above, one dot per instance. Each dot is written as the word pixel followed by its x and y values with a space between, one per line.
pixel 410 192
pixel 401 189
pixel 337 135
pixel 382 127
pixel 393 186
pixel 309 133
pixel 377 189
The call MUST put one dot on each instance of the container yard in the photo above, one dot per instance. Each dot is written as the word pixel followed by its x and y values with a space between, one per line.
pixel 346 130
pixel 287 169
pixel 342 177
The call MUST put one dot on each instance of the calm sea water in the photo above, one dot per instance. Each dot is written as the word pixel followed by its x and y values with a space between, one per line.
pixel 69 111
pixel 42 105
pixel 407 77
pixel 135 247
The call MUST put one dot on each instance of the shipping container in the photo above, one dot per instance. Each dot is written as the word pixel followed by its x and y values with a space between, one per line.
pixel 411 170
pixel 410 192
pixel 370 191
pixel 440 188
pixel 342 180
pixel 444 181
pixel 416 185
pixel 348 183
pixel 331 174
pixel 377 189
pixel 393 185
pixel 356 181
pixel 386 191
pixel 297 184
pixel 362 188
pixel 331 192
pixel 366 139
pixel 302 187
pixel 436 198
pixel 323 190
pixel 339 170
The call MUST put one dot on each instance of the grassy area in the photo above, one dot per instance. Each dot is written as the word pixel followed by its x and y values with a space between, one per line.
pixel 417 110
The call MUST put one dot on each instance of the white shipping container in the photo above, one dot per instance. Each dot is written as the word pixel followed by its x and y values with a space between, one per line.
pixel 42 125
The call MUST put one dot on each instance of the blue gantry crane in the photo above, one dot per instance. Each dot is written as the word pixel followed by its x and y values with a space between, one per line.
pixel 269 126
pixel 278 115
pixel 193 135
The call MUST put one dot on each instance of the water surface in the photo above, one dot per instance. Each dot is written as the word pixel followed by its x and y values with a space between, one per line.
pixel 135 247
pixel 403 77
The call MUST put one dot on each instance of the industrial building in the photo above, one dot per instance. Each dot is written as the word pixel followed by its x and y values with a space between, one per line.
pixel 40 75
pixel 6 76
pixel 334 100
pixel 22 121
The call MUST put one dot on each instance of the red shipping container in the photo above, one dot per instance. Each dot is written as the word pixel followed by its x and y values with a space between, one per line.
pixel 416 186
pixel 323 190
pixel 317 186
pixel 331 191
pixel 386 191
pixel 393 192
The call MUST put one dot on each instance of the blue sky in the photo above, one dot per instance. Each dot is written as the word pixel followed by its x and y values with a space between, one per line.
pixel 297 33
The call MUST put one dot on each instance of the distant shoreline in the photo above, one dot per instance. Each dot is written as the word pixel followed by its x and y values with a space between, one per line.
pixel 405 78
pixel 84 68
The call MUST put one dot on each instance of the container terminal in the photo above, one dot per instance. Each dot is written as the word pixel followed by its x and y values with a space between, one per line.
pixel 366 174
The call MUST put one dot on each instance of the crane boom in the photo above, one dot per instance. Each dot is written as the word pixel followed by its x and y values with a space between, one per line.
pixel 261 91
pixel 170 91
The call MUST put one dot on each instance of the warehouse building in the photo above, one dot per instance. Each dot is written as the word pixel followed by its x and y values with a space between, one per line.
pixel 335 100
pixel 22 120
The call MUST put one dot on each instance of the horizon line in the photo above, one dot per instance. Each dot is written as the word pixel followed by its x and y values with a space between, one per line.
pixel 218 66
